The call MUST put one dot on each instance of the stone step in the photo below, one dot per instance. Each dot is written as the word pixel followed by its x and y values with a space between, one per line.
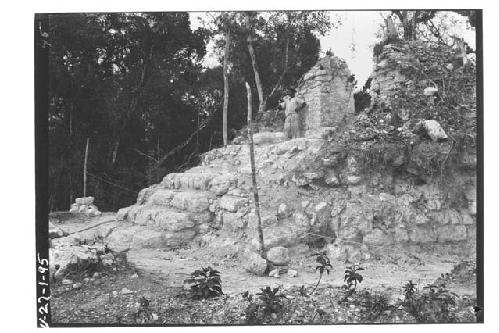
pixel 188 180
pixel 218 183
pixel 200 169
pixel 263 138
pixel 188 200
pixel 168 219
pixel 131 236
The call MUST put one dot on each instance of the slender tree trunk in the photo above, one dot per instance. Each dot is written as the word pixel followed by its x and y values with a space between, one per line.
pixel 258 83
pixel 254 178
pixel 285 69
pixel 85 169
pixel 226 87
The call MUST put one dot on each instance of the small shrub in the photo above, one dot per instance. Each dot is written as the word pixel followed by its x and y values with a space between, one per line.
pixel 144 314
pixel 303 291
pixel 352 277
pixel 374 304
pixel 206 283
pixel 409 290
pixel 247 296
pixel 432 306
pixel 323 265
pixel 269 303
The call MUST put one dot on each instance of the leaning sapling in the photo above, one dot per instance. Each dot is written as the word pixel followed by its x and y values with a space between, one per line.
pixel 323 265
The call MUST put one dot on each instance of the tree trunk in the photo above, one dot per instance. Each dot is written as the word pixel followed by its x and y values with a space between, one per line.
pixel 258 83
pixel 285 69
pixel 409 25
pixel 85 169
pixel 254 178
pixel 226 87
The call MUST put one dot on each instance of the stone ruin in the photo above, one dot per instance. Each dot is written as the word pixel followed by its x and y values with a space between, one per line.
pixel 395 68
pixel 328 90
pixel 85 206
pixel 211 204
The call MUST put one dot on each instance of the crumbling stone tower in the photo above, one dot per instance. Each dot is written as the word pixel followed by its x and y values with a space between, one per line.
pixel 328 90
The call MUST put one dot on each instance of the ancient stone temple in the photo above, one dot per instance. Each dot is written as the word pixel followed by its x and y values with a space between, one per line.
pixel 328 90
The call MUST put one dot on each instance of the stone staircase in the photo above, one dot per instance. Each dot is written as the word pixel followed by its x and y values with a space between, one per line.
pixel 187 205
pixel 171 213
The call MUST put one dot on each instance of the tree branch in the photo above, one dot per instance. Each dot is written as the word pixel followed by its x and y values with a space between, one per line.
pixel 145 155
pixel 182 145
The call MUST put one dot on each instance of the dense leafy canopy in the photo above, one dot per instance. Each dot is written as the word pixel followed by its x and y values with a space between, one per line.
pixel 134 85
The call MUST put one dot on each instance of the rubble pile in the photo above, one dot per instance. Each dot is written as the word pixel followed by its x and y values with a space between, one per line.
pixel 423 108
pixel 418 81
pixel 85 206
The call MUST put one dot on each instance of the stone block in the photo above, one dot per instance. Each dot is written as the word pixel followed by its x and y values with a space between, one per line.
pixel 192 201
pixel 232 203
pixel 254 263
pixel 161 197
pixel 221 184
pixel 170 220
pixel 278 255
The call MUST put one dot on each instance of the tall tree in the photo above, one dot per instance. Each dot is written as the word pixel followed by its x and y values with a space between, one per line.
pixel 284 44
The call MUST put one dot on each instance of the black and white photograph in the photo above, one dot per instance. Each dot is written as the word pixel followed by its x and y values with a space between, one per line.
pixel 256 167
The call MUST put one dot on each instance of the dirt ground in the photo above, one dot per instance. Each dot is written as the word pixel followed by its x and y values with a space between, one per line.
pixel 102 299
pixel 175 266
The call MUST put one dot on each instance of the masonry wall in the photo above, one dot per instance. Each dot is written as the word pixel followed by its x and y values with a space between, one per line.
pixel 328 94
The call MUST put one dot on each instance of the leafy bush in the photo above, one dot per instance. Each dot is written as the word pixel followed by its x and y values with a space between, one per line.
pixel 269 303
pixel 433 306
pixel 206 283
pixel 409 290
pixel 352 277
pixel 374 304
